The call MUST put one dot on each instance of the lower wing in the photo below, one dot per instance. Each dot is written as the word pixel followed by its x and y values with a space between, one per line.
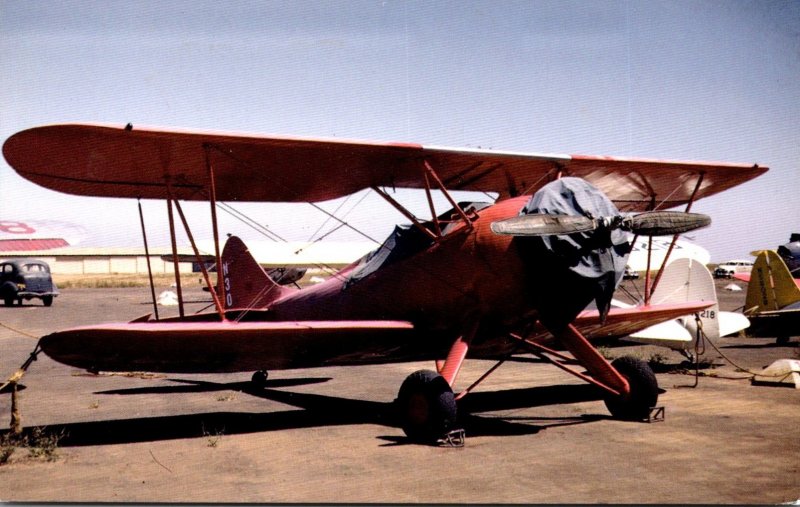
pixel 217 347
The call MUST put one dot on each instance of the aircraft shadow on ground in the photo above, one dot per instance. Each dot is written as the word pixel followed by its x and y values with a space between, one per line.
pixel 767 345
pixel 315 410
pixel 199 386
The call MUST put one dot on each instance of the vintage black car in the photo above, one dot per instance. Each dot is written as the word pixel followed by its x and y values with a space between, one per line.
pixel 26 279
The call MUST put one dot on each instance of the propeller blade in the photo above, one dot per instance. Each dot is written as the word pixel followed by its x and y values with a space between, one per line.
pixel 664 223
pixel 543 225
pixel 653 223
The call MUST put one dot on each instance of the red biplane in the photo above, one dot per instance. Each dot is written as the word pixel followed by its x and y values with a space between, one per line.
pixel 486 280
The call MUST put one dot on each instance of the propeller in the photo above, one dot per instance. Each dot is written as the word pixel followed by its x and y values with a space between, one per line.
pixel 651 223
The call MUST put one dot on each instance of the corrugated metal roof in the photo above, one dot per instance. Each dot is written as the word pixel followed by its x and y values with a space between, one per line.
pixel 87 251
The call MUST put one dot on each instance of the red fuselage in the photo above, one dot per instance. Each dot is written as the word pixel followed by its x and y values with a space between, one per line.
pixel 470 274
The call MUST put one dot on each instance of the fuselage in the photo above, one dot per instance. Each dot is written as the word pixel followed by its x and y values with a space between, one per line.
pixel 470 274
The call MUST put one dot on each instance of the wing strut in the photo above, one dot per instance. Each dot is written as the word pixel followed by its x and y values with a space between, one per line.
pixel 405 213
pixel 147 256
pixel 672 244
pixel 203 268
pixel 213 190
pixel 430 172
pixel 174 251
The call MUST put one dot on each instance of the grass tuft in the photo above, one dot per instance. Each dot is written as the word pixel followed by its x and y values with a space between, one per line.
pixel 40 443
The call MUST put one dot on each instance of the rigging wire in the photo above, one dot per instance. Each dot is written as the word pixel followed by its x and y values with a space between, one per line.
pixel 229 153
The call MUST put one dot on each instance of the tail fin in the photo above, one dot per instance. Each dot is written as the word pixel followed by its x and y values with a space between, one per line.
pixel 771 284
pixel 687 280
pixel 246 283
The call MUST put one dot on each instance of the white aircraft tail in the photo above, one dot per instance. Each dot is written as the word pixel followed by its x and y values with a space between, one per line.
pixel 686 280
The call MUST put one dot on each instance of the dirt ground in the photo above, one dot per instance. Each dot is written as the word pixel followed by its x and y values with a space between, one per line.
pixel 534 433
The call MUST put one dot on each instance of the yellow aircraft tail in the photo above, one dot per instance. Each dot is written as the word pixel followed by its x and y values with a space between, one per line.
pixel 771 284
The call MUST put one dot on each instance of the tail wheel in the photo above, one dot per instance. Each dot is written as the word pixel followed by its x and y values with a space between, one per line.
pixel 259 378
pixel 643 395
pixel 426 406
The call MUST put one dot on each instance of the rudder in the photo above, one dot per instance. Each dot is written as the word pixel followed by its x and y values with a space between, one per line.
pixel 246 283
pixel 686 280
pixel 771 284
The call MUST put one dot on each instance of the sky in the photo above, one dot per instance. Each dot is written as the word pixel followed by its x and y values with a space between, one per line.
pixel 694 80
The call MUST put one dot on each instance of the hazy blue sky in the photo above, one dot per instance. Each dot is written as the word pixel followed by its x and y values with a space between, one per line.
pixel 677 80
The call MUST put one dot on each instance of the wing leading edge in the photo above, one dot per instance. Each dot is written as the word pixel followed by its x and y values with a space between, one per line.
pixel 111 161
pixel 222 347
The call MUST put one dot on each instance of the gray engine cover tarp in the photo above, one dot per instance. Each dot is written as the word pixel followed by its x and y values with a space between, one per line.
pixel 595 261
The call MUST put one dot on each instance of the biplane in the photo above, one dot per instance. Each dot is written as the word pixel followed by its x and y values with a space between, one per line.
pixel 481 279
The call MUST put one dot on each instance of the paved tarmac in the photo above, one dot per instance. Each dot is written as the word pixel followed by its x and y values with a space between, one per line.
pixel 534 433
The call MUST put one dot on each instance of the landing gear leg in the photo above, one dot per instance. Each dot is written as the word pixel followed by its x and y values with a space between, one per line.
pixel 259 378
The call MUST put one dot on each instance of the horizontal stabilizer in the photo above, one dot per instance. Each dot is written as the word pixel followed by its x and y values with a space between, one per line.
pixel 666 331
pixel 732 322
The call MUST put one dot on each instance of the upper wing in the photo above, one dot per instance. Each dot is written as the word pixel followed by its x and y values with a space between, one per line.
pixel 102 160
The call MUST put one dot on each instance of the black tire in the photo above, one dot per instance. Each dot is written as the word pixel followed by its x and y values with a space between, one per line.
pixel 426 406
pixel 644 390
pixel 47 300
pixel 9 301
pixel 259 378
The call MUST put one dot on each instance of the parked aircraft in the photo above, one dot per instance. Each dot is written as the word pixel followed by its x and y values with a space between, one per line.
pixel 773 298
pixel 480 279
pixel 659 249
pixel 31 235
pixel 790 253
pixel 685 280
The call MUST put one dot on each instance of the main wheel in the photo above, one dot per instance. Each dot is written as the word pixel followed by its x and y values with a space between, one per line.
pixel 47 300
pixel 426 406
pixel 644 390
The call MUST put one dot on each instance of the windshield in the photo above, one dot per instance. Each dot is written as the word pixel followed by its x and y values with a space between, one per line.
pixel 407 240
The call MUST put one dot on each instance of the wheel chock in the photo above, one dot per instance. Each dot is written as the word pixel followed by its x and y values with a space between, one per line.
pixel 657 414
pixel 455 438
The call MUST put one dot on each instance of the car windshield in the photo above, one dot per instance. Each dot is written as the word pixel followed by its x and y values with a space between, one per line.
pixel 34 268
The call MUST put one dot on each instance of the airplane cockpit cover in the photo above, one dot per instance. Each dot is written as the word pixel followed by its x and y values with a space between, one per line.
pixel 405 241
pixel 790 252
pixel 595 261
